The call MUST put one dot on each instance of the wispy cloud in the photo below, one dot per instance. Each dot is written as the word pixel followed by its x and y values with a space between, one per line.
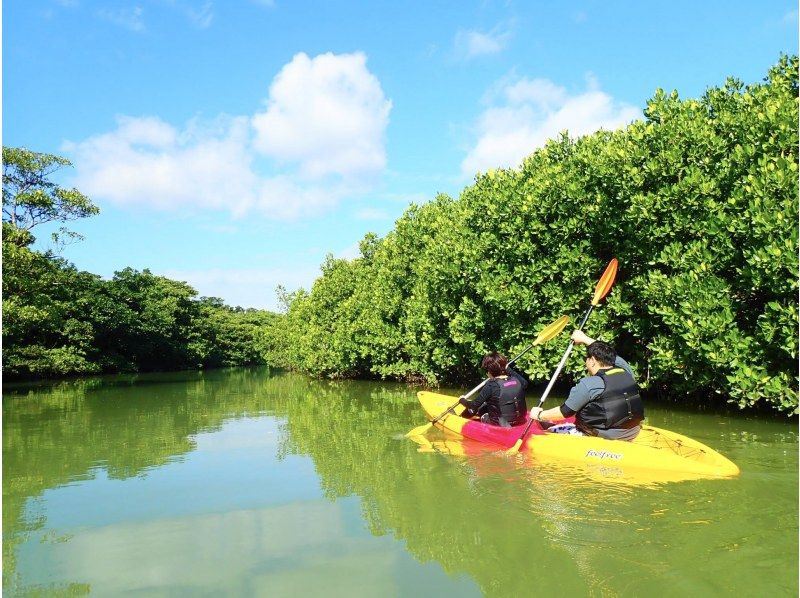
pixel 199 13
pixel 128 18
pixel 790 18
pixel 286 197
pixel 349 253
pixel 200 16
pixel 430 51
pixel 580 16
pixel 323 131
pixel 371 214
pixel 531 111
pixel 223 229
pixel 247 287
pixel 471 44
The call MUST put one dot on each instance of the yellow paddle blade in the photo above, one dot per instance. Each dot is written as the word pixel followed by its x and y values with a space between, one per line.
pixel 606 282
pixel 419 430
pixel 551 330
pixel 514 449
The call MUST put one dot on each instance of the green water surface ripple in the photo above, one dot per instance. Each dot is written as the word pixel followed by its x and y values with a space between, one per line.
pixel 251 483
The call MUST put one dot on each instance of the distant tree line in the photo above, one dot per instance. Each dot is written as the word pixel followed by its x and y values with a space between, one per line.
pixel 58 320
pixel 698 201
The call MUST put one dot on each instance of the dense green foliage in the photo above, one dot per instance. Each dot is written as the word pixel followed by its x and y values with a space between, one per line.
pixel 699 201
pixel 59 321
pixel 30 198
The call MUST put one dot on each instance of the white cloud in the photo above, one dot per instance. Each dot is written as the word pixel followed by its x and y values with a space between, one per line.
pixel 147 161
pixel 541 94
pixel 246 287
pixel 469 44
pixel 324 128
pixel 531 111
pixel 327 114
pixel 283 197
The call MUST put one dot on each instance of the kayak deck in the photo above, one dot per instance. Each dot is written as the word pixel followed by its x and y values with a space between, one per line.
pixel 653 448
pixel 435 404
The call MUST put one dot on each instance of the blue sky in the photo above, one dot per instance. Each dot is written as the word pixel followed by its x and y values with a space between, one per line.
pixel 234 144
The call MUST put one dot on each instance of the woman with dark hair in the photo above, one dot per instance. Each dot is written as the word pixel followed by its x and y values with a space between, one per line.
pixel 501 401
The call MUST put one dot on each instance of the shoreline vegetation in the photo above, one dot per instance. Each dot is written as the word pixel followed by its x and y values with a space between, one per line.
pixel 698 200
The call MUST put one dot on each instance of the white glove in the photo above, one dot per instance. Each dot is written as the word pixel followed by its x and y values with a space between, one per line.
pixel 536 412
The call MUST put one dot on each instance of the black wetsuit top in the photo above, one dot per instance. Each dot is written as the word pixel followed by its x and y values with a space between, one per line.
pixel 501 399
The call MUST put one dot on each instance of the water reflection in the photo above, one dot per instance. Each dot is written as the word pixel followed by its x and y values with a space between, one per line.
pixel 244 483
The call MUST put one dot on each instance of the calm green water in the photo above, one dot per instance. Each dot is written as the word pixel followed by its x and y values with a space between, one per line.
pixel 242 483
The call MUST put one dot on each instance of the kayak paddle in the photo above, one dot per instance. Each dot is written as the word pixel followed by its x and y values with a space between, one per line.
pixel 550 331
pixel 601 290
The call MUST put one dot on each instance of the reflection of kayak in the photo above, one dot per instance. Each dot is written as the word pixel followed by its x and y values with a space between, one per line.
pixel 652 449
pixel 549 469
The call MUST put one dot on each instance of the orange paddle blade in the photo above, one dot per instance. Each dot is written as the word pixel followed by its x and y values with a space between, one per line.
pixel 606 282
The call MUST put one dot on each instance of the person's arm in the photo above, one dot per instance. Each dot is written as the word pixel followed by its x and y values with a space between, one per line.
pixel 547 415
pixel 579 337
pixel 479 401
pixel 581 393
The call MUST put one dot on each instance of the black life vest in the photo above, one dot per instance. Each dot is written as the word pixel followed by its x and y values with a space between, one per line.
pixel 507 400
pixel 619 406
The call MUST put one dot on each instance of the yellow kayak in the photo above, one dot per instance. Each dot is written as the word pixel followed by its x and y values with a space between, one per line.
pixel 654 449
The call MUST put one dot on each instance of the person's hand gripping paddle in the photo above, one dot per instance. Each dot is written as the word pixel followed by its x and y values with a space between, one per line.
pixel 545 335
pixel 600 291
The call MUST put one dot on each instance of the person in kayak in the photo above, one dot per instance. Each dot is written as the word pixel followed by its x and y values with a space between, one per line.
pixel 605 403
pixel 501 401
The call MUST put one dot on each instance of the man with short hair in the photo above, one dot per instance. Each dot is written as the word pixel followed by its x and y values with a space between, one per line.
pixel 605 403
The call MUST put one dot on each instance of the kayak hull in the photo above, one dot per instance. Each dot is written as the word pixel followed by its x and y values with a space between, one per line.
pixel 435 404
pixel 654 449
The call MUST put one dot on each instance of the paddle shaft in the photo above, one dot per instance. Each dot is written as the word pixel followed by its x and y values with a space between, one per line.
pixel 477 388
pixel 545 335
pixel 600 291
pixel 563 361
pixel 521 354
pixel 556 373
